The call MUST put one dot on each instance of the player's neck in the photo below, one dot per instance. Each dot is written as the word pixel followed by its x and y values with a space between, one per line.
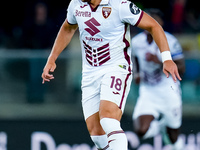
pixel 94 3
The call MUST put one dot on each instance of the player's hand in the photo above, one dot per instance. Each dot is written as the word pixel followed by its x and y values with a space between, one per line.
pixel 49 68
pixel 169 67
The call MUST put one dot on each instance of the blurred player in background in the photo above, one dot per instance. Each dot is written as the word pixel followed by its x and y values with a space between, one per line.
pixel 159 105
pixel 106 73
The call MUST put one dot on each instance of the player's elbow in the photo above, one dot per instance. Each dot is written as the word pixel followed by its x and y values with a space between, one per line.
pixel 154 28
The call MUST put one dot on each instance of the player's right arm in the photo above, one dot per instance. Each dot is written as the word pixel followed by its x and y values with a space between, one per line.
pixel 62 40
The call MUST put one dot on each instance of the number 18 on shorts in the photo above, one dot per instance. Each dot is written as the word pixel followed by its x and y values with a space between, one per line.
pixel 112 86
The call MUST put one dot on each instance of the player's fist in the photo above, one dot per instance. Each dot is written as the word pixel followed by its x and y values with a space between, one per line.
pixel 49 68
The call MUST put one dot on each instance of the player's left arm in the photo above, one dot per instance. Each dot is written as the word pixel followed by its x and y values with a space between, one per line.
pixel 157 32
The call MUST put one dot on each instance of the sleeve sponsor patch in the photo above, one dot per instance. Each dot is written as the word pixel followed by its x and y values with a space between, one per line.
pixel 134 9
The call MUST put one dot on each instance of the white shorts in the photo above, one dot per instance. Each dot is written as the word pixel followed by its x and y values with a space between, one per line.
pixel 111 86
pixel 168 103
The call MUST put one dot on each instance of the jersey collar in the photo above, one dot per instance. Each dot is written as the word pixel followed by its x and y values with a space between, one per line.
pixel 104 2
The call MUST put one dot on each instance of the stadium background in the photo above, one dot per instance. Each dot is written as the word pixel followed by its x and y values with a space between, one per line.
pixel 42 117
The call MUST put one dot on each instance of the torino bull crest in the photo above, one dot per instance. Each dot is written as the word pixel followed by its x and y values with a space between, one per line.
pixel 106 11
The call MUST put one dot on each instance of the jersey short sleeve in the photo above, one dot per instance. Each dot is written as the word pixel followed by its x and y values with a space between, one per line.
pixel 175 47
pixel 130 13
pixel 70 12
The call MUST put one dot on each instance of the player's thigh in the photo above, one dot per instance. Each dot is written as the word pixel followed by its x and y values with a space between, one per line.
pixel 115 87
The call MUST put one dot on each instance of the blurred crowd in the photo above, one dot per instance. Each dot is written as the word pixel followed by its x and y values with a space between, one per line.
pixel 30 24
pixel 34 24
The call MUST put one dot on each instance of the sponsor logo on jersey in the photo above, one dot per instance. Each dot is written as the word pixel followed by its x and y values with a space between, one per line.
pixel 94 39
pixel 83 6
pixel 134 9
pixel 106 11
pixel 82 13
pixel 116 93
pixel 92 24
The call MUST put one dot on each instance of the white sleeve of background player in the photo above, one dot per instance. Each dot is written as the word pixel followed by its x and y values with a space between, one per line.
pixel 176 50
pixel 70 13
pixel 130 13
pixel 174 46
